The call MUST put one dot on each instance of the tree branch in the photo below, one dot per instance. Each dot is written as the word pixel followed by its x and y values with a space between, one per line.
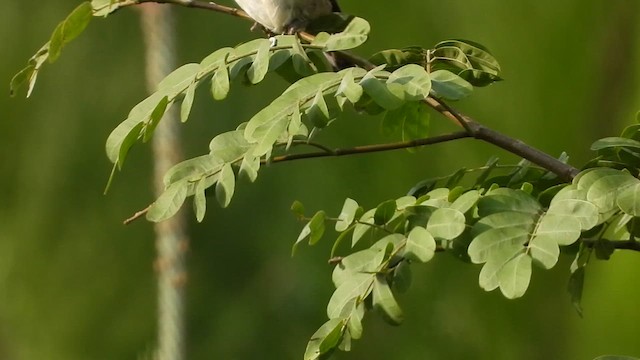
pixel 364 149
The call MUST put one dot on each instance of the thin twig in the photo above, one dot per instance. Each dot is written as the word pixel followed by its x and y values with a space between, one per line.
pixel 365 149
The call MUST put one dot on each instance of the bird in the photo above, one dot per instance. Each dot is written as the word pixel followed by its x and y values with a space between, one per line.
pixel 287 16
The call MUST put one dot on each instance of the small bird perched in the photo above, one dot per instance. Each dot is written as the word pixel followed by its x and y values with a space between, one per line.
pixel 288 16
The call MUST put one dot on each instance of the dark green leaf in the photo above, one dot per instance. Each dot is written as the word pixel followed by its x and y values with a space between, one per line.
pixel 384 212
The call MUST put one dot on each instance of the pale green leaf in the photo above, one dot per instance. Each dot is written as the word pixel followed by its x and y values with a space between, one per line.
pixel 358 286
pixel 466 201
pixel 179 80
pixel 515 276
pixel 169 202
pixel 628 200
pixel 229 146
pixel 347 215
pixel 200 199
pixel 421 245
pixel 364 262
pixel 507 240
pixel 450 86
pixel 220 83
pixel 225 187
pixel 260 66
pixel 354 35
pixel 187 102
pixel 414 79
pixel 446 224
pixel 249 167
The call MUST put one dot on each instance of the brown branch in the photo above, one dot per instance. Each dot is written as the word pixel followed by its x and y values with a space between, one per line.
pixel 365 149
pixel 137 215
pixel 616 244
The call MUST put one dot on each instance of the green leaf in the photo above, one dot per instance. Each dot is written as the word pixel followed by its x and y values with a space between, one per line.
pixel 318 112
pixel 126 133
pixel 298 209
pixel 446 224
pixel 347 215
pixel 466 201
pixel 384 212
pixel 411 121
pixel 385 303
pixel 20 78
pixel 229 146
pixel 615 142
pixel 104 7
pixel 364 262
pixel 354 323
pixel 169 202
pixel 506 240
pixel 628 200
pixel 575 288
pixel 272 121
pixel 604 192
pixel 187 103
pixel 396 58
pixel 179 80
pixel 515 276
pixel 504 199
pixel 314 229
pixel 354 35
pixel 348 87
pixel 583 211
pixel 471 61
pixel 364 224
pixel 402 277
pixel 249 167
pixel 332 339
pixel 225 187
pixel 200 199
pixel 220 84
pixel 154 119
pixel 327 330
pixel 414 79
pixel 421 245
pixel 193 169
pixel 260 66
pixel 450 86
pixel 379 91
pixel 357 286
pixel 69 29
pixel 615 357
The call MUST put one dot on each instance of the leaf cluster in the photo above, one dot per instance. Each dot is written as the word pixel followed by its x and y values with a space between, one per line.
pixel 507 220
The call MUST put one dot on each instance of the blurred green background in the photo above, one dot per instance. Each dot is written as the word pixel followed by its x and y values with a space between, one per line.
pixel 76 284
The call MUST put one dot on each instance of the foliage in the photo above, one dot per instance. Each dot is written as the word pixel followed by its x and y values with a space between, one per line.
pixel 505 218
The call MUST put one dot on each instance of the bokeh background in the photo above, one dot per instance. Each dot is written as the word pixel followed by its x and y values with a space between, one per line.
pixel 76 284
